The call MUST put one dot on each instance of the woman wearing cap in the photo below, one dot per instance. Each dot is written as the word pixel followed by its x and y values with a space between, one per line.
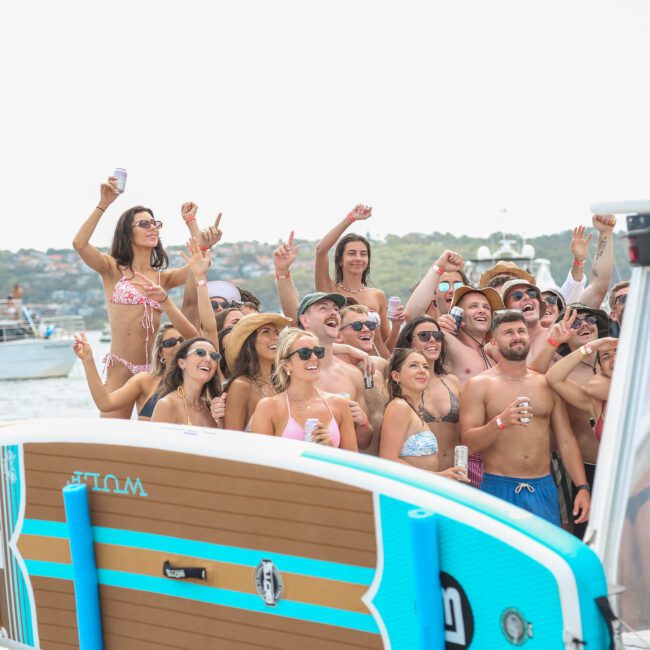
pixel 297 369
pixel 136 253
pixel 352 272
pixel 405 436
pixel 190 392
pixel 440 400
pixel 554 303
pixel 250 354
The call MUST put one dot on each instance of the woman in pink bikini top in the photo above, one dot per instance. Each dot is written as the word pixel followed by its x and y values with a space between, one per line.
pixel 297 369
pixel 133 315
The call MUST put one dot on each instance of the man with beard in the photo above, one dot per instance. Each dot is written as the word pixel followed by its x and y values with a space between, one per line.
pixel 357 331
pixel 507 412
pixel 437 286
pixel 617 298
pixel 318 313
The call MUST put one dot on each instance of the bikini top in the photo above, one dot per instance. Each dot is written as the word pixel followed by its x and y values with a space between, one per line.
pixel 127 293
pixel 454 409
pixel 600 423
pixel 294 431
pixel 423 443
pixel 150 404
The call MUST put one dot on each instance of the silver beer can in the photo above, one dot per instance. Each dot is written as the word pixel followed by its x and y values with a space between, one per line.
pixel 120 174
pixel 524 402
pixel 394 303
pixel 368 379
pixel 461 457
pixel 310 425
pixel 457 314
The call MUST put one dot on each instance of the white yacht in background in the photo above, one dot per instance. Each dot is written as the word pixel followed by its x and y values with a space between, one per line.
pixel 35 351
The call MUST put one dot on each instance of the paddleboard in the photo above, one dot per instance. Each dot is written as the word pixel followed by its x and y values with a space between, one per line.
pixel 219 539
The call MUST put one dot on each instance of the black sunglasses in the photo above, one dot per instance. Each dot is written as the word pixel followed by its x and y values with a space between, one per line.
pixel 551 300
pixel 590 320
pixel 170 343
pixel 445 286
pixel 224 304
pixel 145 224
pixel 518 295
pixel 621 299
pixel 430 334
pixel 305 353
pixel 200 352
pixel 357 325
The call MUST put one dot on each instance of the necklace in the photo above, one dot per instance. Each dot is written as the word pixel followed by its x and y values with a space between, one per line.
pixel 338 284
pixel 265 386
pixel 304 407
pixel 593 368
pixel 481 347
pixel 180 391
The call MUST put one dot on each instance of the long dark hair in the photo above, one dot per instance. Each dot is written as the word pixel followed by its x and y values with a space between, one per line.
pixel 405 340
pixel 338 258
pixel 248 362
pixel 122 247
pixel 225 371
pixel 395 364
pixel 173 378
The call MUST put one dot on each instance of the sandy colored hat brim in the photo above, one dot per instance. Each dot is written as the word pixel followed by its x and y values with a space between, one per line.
pixel 223 289
pixel 505 267
pixel 244 328
pixel 491 295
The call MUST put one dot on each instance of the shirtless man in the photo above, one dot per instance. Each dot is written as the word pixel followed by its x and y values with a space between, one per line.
pixel 517 453
pixel 319 313
pixel 356 331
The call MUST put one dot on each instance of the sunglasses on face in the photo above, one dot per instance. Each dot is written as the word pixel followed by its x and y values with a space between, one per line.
pixel 445 286
pixel 305 353
pixel 518 295
pixel 621 299
pixel 200 352
pixel 430 334
pixel 590 320
pixel 145 224
pixel 223 304
pixel 357 325
pixel 170 343
pixel 551 301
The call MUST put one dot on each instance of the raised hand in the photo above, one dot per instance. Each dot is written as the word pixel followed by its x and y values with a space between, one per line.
pixel 153 290
pixel 197 261
pixel 212 235
pixel 285 255
pixel 397 317
pixel 188 211
pixel 512 415
pixel 218 408
pixel 360 213
pixel 605 344
pixel 561 331
pixel 82 348
pixel 447 324
pixel 604 222
pixel 580 243
pixel 450 262
pixel 108 192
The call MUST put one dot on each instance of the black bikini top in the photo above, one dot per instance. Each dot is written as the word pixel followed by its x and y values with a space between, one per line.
pixel 452 416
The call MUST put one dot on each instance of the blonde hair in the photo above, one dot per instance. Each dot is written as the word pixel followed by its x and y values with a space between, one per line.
pixel 362 310
pixel 288 336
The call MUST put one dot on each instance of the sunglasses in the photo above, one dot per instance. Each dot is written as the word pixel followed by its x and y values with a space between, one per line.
pixel 445 286
pixel 430 334
pixel 552 300
pixel 200 352
pixel 621 299
pixel 357 325
pixel 518 295
pixel 305 353
pixel 245 305
pixel 224 304
pixel 145 224
pixel 590 320
pixel 170 343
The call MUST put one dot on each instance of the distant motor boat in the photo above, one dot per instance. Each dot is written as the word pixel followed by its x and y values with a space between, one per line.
pixel 30 351
pixel 106 334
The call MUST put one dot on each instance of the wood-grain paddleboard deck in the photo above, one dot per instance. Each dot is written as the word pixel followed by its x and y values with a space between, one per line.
pixel 302 547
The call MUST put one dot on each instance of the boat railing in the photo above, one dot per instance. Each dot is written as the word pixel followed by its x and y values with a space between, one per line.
pixel 16 323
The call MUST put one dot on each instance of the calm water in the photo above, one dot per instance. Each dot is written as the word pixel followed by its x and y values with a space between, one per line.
pixel 63 397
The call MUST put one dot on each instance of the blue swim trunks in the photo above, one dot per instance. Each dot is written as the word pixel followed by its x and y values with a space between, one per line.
pixel 537 495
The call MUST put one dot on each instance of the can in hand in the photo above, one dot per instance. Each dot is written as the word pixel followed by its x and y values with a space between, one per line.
pixel 394 303
pixel 368 379
pixel 310 425
pixel 120 174
pixel 457 313
pixel 524 402
pixel 461 457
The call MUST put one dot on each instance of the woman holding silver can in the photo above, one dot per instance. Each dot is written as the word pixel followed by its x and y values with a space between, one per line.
pixel 133 314
pixel 405 436
pixel 286 415
pixel 440 400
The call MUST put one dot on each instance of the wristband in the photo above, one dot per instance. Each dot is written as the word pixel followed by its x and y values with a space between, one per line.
pixel 436 269
pixel 500 424
pixel 102 209
pixel 189 219
pixel 585 350
pixel 583 486
pixel 578 262
pixel 201 283
pixel 351 218
pixel 555 344
pixel 163 300
pixel 279 276
pixel 204 248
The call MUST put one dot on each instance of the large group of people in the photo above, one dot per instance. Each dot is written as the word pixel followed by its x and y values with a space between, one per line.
pixel 517 373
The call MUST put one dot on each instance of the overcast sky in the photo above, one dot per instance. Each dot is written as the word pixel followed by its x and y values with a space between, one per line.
pixel 284 114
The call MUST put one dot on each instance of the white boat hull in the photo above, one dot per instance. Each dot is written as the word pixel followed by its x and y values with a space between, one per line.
pixel 36 358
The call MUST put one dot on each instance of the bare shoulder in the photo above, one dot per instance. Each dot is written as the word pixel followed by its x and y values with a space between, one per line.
pixel 398 407
pixel 240 385
pixel 380 364
pixel 452 380
pixel 165 409
pixel 335 402
pixel 377 293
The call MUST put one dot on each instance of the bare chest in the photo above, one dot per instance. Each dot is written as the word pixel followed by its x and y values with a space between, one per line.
pixel 336 379
pixel 504 392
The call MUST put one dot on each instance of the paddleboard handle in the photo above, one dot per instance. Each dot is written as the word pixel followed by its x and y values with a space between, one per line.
pixel 184 572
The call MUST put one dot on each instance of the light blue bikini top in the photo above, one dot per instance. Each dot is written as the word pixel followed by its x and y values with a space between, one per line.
pixel 420 444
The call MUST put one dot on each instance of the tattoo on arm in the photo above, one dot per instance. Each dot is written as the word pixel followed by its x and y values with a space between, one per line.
pixel 599 253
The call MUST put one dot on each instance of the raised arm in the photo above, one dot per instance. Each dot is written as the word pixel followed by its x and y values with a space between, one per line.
pixel 323 280
pixel 283 257
pixel 558 333
pixel 92 257
pixel 425 292
pixel 603 264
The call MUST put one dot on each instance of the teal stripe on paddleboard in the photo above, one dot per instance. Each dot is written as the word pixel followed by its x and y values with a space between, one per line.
pixel 214 596
pixel 215 552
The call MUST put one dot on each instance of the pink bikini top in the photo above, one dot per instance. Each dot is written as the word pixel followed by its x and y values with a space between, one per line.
pixel 296 432
pixel 127 293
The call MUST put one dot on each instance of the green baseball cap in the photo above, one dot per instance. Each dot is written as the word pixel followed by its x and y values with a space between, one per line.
pixel 338 299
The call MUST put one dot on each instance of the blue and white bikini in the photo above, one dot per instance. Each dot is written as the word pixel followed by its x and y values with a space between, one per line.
pixel 423 443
